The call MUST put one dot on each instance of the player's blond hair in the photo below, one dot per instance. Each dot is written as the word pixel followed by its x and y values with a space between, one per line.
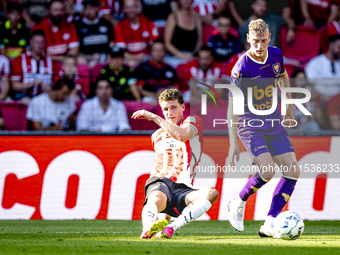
pixel 258 27
pixel 170 94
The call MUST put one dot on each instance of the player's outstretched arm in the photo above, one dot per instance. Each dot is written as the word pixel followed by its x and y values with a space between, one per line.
pixel 179 133
pixel 234 150
pixel 284 83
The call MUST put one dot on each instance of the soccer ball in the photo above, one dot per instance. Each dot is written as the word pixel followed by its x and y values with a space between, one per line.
pixel 289 225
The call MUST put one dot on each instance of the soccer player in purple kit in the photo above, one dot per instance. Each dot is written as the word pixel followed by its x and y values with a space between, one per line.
pixel 261 68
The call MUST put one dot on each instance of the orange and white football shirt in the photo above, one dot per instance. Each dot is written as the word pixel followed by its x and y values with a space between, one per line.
pixel 177 160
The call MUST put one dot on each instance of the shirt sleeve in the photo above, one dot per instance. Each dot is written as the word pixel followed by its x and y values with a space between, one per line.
pixel 73 41
pixel 123 122
pixel 236 76
pixel 6 71
pixel 83 118
pixel 195 122
pixel 33 111
pixel 16 72
pixel 154 35
pixel 120 41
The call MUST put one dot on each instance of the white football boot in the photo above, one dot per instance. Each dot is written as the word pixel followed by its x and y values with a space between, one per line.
pixel 236 215
pixel 268 231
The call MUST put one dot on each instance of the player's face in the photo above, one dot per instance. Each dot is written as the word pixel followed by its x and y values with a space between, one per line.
pixel 14 17
pixel 173 111
pixel 37 43
pixel 56 13
pixel 131 8
pixel 70 66
pixel 205 59
pixel 224 25
pixel 90 12
pixel 259 43
pixel 104 91
pixel 157 52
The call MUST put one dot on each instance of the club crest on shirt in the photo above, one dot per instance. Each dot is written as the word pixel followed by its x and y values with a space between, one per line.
pixel 277 68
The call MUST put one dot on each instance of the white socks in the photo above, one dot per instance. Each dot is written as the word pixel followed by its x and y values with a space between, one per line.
pixel 191 212
pixel 269 221
pixel 149 215
pixel 239 202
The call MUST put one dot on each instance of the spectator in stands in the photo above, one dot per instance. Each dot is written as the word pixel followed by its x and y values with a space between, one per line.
pixel 324 70
pixel 5 70
pixel 14 36
pixel 31 72
pixel 154 76
pixel 34 11
pixel 206 70
pixel 183 34
pixel 240 10
pixel 334 112
pixel 222 42
pixel 275 22
pixel 209 10
pixel 135 33
pixel 61 36
pixel 69 70
pixel 103 113
pixel 52 110
pixel 307 123
pixel 95 35
pixel 319 13
pixel 234 58
pixel 158 10
pixel 121 77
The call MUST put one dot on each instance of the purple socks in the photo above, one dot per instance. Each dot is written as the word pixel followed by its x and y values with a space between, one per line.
pixel 282 193
pixel 253 184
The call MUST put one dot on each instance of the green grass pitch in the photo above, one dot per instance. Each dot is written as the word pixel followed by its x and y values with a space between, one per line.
pixel 122 237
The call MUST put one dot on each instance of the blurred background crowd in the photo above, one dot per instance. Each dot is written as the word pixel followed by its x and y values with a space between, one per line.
pixel 86 65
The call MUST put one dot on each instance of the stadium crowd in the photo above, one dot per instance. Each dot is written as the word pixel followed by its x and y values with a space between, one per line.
pixel 86 65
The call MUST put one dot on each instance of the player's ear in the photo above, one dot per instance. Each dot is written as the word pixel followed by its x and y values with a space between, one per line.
pixel 248 40
pixel 183 107
pixel 270 37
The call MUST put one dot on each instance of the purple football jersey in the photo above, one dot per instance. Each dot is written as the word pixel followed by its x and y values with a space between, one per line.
pixel 262 77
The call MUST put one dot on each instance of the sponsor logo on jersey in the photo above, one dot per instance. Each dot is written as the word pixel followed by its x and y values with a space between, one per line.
pixel 277 68
pixel 169 74
pixel 66 36
pixel 102 29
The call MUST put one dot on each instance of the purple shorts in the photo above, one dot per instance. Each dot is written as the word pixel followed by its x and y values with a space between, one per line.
pixel 257 143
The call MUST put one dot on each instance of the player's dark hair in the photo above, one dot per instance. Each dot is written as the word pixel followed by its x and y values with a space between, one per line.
pixel 64 82
pixel 159 40
pixel 297 71
pixel 171 94
pixel 14 6
pixel 102 78
pixel 206 48
pixel 49 4
pixel 333 38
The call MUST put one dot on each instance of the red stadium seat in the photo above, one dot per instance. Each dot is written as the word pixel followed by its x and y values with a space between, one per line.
pixel 84 72
pixel 131 107
pixel 161 32
pixel 96 71
pixel 290 69
pixel 14 115
pixel 206 32
pixel 305 46
pixel 323 31
pixel 181 71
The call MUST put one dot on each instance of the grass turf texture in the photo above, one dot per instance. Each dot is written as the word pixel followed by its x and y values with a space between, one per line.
pixel 122 237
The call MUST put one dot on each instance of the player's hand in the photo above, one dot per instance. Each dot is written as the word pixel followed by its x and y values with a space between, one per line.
pixel 234 151
pixel 186 56
pixel 290 116
pixel 142 114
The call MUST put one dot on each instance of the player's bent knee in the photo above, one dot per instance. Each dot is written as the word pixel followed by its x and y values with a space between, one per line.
pixel 212 194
